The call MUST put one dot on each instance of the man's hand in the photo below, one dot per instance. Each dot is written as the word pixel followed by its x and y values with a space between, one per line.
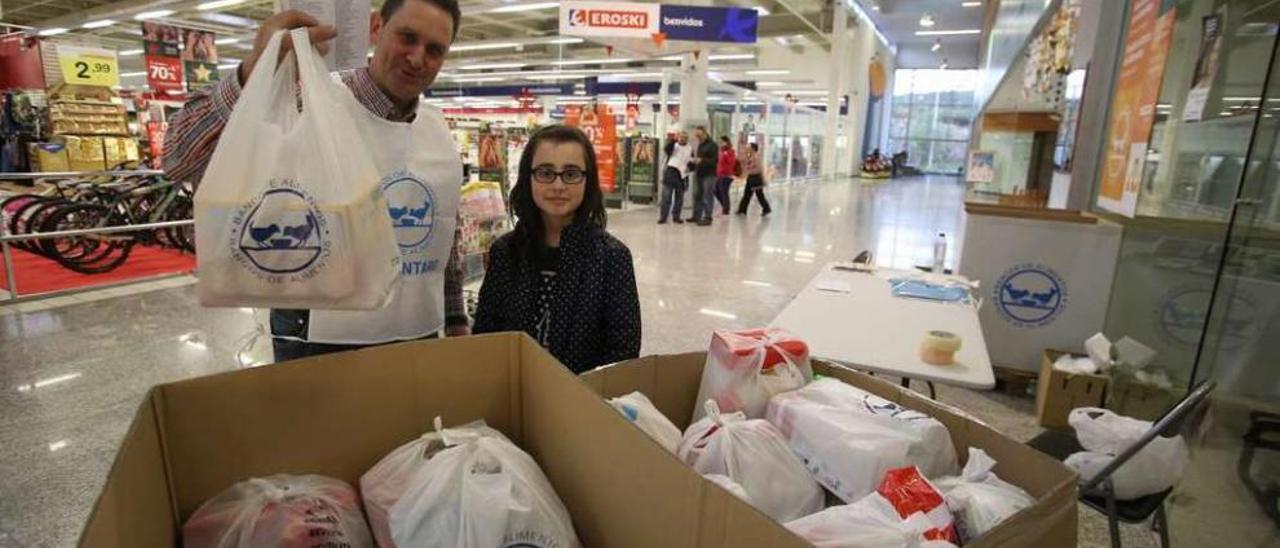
pixel 457 331
pixel 285 20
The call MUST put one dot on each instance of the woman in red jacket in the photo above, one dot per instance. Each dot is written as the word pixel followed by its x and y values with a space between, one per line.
pixel 726 169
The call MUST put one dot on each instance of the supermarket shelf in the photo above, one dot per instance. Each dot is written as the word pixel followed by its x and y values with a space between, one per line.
pixel 16 176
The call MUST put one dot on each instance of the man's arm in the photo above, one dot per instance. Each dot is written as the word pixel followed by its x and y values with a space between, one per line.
pixel 194 131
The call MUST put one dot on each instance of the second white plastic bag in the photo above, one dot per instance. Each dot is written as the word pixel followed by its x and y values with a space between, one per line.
pixel 752 454
pixel 849 437
pixel 980 500
pixel 475 488
pixel 1104 434
pixel 637 408
pixel 289 213
pixel 871 522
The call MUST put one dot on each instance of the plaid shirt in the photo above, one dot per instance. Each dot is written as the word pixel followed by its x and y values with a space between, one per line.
pixel 194 131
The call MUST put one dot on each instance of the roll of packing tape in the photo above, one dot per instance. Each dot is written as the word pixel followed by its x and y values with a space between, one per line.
pixel 939 347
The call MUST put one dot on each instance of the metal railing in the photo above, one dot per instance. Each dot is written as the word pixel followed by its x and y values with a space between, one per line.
pixel 6 239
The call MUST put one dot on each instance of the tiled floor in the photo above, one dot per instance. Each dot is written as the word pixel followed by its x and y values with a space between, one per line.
pixel 74 369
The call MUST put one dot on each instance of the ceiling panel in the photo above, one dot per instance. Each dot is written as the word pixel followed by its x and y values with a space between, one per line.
pixel 899 20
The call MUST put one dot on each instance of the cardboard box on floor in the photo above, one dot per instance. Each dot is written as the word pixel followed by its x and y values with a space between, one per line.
pixel 1058 392
pixel 337 415
pixel 671 382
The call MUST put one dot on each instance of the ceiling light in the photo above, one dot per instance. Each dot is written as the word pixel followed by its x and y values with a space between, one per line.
pixel 937 45
pixel 153 14
pixel 947 32
pixel 218 4
pixel 769 84
pixel 731 57
pixel 52 32
pixel 944 65
pixel 130 52
pixel 926 20
pixel 226 41
pixel 671 58
pixel 474 47
pixel 804 93
pixel 768 72
pixel 484 66
pixel 557 77
pixel 476 79
pixel 564 41
pixel 98 24
pixel 591 62
pixel 525 7
pixel 970 4
pixel 762 10
pixel 133 74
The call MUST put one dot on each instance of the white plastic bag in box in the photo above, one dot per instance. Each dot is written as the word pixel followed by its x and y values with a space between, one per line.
pixel 281 511
pixel 1104 434
pixel 479 489
pixel 753 454
pixel 978 499
pixel 871 522
pixel 849 438
pixel 639 410
pixel 746 368
pixel 289 213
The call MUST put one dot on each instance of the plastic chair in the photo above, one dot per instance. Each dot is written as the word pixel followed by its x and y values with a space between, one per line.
pixel 1097 492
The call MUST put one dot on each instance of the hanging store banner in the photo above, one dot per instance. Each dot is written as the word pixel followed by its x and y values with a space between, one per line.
pixel 164 74
pixel 609 19
pixel 601 127
pixel 89 66
pixel 709 24
pixel 1141 73
pixel 160 40
pixel 160 44
pixel 1206 65
pixel 199 59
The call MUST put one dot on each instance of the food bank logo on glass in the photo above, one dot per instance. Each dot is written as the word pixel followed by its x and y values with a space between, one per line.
pixel 281 235
pixel 614 19
pixel 1030 295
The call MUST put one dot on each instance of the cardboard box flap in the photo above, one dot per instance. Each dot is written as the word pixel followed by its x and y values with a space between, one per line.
pixel 135 508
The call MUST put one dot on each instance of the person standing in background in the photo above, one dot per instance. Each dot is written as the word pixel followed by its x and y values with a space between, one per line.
pixel 755 182
pixel 679 156
pixel 726 170
pixel 704 178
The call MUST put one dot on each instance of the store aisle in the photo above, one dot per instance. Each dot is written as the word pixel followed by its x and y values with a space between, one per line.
pixel 71 376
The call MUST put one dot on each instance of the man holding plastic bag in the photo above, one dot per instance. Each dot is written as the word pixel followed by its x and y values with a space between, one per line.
pixel 410 148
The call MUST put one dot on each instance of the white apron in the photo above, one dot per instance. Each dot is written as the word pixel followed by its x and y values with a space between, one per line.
pixel 422 179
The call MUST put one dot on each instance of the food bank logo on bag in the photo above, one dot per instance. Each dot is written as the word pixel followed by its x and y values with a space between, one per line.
pixel 1030 295
pixel 530 539
pixel 281 235
pixel 412 206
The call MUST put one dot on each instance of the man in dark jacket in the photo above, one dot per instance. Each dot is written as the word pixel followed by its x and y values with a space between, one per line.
pixel 704 178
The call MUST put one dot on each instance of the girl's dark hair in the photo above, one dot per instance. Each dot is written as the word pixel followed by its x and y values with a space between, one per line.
pixel 725 139
pixel 529 233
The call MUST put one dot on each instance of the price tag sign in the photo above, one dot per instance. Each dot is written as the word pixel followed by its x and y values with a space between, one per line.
pixel 164 73
pixel 89 66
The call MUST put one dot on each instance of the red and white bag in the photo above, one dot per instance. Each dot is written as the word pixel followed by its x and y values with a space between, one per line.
pixel 746 368
pixel 871 522
pixel 281 511
pixel 910 493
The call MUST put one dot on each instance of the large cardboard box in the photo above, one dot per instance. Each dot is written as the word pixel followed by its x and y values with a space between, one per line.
pixel 1058 392
pixel 671 382
pixel 339 414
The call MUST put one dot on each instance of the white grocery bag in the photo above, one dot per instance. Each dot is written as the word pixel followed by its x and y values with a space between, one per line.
pixel 849 438
pixel 746 368
pixel 752 453
pixel 479 490
pixel 281 511
pixel 640 411
pixel 1104 434
pixel 871 522
pixel 290 213
pixel 978 498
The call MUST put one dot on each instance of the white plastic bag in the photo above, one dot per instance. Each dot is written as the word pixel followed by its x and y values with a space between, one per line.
pixel 382 486
pixel 978 498
pixel 753 454
pixel 480 490
pixel 746 368
pixel 281 511
pixel 849 438
pixel 639 410
pixel 289 213
pixel 729 485
pixel 1104 434
pixel 871 522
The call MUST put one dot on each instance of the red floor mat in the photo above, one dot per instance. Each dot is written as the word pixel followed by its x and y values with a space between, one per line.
pixel 37 274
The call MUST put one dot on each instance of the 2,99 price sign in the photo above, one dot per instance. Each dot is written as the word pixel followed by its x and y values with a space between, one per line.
pixel 89 66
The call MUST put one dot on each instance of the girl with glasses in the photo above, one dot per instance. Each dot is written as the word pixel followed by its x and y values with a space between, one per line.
pixel 558 276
